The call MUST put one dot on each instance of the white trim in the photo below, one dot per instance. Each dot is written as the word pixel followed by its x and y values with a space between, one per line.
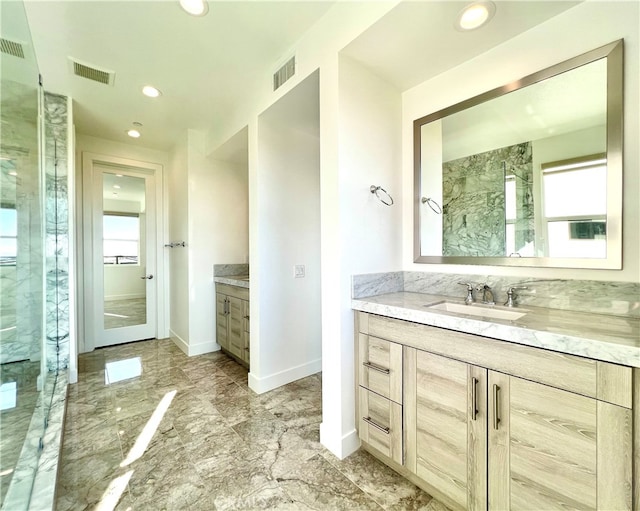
pixel 261 385
pixel 91 313
pixel 339 446
pixel 191 350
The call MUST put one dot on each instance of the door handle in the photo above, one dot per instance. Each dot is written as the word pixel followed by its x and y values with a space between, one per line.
pixel 148 277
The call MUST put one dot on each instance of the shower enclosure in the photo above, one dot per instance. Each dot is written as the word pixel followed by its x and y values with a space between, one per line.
pixel 34 259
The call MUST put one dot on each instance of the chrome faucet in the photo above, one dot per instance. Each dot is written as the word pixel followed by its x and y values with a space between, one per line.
pixel 487 294
pixel 511 295
pixel 469 299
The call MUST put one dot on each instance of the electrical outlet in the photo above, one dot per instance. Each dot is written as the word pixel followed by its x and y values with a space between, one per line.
pixel 298 271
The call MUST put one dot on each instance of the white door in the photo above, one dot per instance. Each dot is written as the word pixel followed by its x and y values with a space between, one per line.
pixel 123 254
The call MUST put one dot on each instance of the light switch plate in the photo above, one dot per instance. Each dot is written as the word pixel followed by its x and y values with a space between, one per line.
pixel 298 271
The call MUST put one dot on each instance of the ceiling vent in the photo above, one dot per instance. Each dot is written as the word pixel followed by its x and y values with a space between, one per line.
pixel 284 73
pixel 11 48
pixel 92 72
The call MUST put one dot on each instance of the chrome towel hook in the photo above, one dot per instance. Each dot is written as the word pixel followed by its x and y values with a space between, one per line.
pixel 375 189
pixel 435 207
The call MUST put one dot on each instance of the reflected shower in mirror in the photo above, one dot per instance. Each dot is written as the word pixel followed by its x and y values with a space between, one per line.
pixel 529 174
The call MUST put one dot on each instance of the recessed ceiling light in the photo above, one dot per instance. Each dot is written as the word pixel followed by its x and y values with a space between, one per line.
pixel 475 15
pixel 13 173
pixel 118 175
pixel 195 7
pixel 151 92
pixel 133 133
pixel 116 187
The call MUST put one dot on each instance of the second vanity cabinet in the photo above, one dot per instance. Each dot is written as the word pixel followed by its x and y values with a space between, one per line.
pixel 488 424
pixel 232 321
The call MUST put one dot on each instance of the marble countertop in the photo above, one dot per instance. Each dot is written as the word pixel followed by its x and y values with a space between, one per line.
pixel 598 336
pixel 234 280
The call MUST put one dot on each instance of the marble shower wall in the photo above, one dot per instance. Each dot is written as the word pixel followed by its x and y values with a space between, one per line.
pixel 56 231
pixel 620 298
pixel 20 188
pixel 474 202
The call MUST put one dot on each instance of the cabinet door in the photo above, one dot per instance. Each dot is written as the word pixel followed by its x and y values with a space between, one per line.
pixel 235 328
pixel 221 321
pixel 552 449
pixel 446 427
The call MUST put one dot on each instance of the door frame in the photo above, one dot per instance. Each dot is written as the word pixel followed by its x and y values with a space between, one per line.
pixel 88 278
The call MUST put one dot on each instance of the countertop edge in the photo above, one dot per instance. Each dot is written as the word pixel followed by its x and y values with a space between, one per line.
pixel 606 351
pixel 231 281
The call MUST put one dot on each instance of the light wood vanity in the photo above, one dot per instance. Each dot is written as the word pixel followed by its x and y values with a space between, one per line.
pixel 232 321
pixel 482 423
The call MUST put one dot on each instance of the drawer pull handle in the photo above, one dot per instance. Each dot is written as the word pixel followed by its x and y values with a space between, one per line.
pixel 375 367
pixel 474 397
pixel 496 406
pixel 368 420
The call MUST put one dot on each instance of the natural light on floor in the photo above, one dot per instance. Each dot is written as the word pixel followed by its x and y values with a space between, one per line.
pixel 145 436
pixel 112 494
pixel 122 370
pixel 117 486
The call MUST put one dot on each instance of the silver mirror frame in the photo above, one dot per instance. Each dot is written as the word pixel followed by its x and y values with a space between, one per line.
pixel 613 52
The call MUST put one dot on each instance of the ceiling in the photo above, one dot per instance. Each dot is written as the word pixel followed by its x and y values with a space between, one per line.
pixel 204 66
pixel 207 66
pixel 417 40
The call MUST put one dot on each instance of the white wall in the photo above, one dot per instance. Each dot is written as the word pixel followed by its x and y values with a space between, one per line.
pixel 178 206
pixel 362 234
pixel 288 231
pixel 208 209
pixel 123 282
pixel 218 233
pixel 569 34
pixel 318 49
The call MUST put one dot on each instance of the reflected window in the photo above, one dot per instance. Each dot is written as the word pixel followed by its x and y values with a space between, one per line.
pixel 575 209
pixel 8 236
pixel 121 238
pixel 122 370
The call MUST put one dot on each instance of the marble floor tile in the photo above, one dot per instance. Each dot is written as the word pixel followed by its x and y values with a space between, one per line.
pixel 188 434
pixel 316 484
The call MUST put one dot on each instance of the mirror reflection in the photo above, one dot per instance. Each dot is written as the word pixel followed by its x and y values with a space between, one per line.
pixel 525 176
pixel 123 233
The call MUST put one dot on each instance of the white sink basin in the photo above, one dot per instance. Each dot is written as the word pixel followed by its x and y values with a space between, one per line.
pixel 476 309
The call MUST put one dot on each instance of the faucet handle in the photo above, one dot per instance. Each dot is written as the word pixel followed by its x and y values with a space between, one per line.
pixel 511 295
pixel 469 299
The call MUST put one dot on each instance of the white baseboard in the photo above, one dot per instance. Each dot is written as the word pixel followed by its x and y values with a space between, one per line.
pixel 179 342
pixel 192 350
pixel 340 446
pixel 132 296
pixel 273 381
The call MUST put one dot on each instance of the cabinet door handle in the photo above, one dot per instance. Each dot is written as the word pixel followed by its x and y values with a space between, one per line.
pixel 496 407
pixel 474 397
pixel 369 420
pixel 369 365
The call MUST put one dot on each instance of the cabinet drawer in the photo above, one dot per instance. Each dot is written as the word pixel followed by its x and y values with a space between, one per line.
pixel 380 424
pixel 380 366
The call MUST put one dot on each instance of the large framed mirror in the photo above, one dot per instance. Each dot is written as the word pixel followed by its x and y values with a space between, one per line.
pixel 528 174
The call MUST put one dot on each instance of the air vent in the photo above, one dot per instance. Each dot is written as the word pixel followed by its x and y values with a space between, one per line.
pixel 11 48
pixel 284 73
pixel 91 72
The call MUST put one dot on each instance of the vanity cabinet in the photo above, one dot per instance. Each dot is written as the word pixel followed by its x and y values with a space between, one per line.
pixel 488 424
pixel 232 316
